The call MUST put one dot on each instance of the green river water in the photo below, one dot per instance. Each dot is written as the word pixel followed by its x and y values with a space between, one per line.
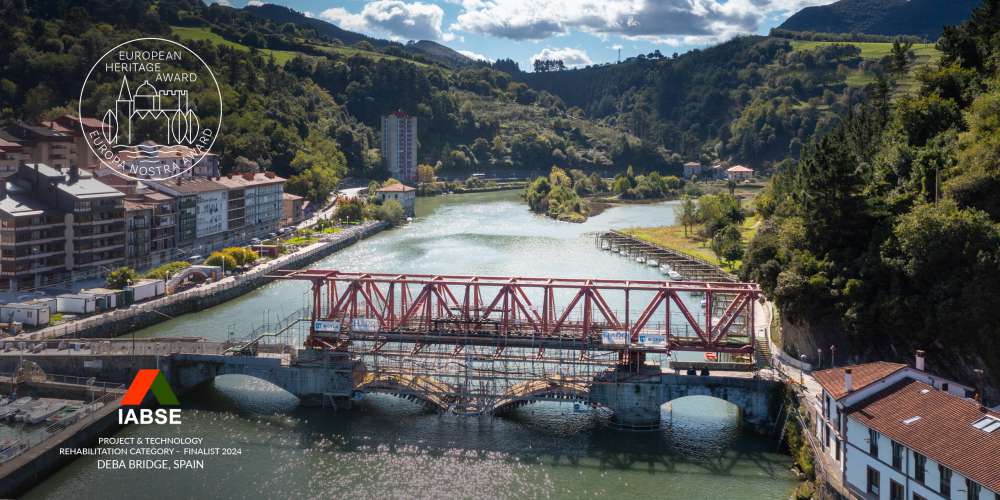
pixel 389 448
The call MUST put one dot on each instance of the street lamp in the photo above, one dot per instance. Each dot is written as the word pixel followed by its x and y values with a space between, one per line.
pixel 819 357
pixel 802 370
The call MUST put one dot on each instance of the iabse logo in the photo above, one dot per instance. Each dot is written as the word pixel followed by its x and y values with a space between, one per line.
pixel 149 380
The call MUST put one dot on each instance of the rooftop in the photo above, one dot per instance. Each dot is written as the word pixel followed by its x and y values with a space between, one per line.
pixel 249 180
pixel 936 424
pixel 862 376
pixel 396 188
pixel 739 168
pixel 17 205
pixel 188 186
pixel 290 196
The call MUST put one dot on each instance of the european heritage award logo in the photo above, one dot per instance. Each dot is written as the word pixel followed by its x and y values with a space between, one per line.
pixel 159 108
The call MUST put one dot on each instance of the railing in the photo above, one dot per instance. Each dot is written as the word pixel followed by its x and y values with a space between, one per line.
pixel 89 411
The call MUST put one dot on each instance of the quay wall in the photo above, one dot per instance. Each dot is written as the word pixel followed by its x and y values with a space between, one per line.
pixel 122 321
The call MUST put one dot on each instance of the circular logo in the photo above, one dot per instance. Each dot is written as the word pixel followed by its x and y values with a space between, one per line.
pixel 150 108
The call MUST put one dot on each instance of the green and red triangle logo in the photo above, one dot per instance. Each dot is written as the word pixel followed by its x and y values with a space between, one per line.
pixel 146 380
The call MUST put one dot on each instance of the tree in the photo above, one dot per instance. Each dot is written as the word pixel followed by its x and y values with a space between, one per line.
pixel 390 211
pixel 686 213
pixel 223 260
pixel 900 54
pixel 350 210
pixel 425 174
pixel 315 183
pixel 121 277
pixel 728 244
pixel 241 255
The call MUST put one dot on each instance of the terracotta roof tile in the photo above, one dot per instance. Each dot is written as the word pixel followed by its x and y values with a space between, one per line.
pixel 944 431
pixel 398 188
pixel 861 376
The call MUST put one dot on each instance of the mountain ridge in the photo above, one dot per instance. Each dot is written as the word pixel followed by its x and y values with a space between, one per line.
pixel 923 18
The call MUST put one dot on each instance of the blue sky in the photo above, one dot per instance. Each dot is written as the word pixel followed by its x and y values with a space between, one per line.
pixel 579 32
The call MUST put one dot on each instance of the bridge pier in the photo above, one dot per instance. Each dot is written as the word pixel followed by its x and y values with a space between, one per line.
pixel 636 402
pixel 318 378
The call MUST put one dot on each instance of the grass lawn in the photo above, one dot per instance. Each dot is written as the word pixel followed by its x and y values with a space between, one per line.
pixel 693 244
pixel 189 33
pixel 925 54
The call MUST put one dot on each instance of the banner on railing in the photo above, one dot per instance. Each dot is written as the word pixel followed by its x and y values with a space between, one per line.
pixel 326 326
pixel 614 337
pixel 364 325
pixel 652 340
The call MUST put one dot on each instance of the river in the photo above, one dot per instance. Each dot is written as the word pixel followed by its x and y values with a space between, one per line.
pixel 391 448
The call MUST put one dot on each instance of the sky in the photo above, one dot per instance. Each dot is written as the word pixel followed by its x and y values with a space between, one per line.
pixel 579 32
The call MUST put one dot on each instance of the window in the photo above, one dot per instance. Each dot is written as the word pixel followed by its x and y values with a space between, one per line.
pixel 917 496
pixel 895 490
pixel 973 489
pixel 873 481
pixel 945 487
pixel 919 464
pixel 873 442
pixel 836 454
pixel 897 456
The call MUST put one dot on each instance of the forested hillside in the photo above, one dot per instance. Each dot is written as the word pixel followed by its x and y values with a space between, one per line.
pixel 923 18
pixel 885 237
pixel 295 101
pixel 752 99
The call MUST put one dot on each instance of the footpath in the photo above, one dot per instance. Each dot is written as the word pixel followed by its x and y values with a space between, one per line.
pixel 121 321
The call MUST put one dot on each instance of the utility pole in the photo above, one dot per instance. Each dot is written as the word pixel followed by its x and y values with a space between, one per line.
pixel 619 55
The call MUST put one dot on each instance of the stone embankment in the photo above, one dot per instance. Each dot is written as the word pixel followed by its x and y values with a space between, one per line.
pixel 122 321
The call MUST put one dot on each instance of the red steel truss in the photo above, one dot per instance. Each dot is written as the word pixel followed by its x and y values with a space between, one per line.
pixel 522 311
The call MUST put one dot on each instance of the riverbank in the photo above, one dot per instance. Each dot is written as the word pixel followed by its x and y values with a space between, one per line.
pixel 440 188
pixel 122 321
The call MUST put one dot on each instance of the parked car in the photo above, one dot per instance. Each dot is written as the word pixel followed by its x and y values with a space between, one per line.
pixel 197 258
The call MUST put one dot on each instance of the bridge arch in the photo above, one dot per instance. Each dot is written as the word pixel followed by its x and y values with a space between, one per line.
pixel 544 389
pixel 429 391
pixel 638 403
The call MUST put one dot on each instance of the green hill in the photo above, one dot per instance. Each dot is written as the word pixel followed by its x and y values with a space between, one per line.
pixel 923 18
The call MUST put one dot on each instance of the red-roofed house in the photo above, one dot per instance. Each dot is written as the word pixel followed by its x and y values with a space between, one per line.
pixel 739 173
pixel 879 452
pixel 405 195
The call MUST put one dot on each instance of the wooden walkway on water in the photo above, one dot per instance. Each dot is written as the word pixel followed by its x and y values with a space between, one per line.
pixel 689 267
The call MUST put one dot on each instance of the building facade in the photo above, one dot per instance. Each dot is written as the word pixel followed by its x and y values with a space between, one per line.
pixel 53 146
pixel 202 212
pixel 292 209
pixel 399 145
pixel 405 195
pixel 58 226
pixel 896 432
pixel 255 204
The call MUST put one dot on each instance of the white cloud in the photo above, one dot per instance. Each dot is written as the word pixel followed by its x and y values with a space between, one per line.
pixel 398 19
pixel 308 14
pixel 474 55
pixel 224 3
pixel 661 21
pixel 568 55
pixel 253 3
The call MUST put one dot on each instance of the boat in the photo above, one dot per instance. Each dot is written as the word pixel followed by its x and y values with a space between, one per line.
pixel 711 356
pixel 652 262
pixel 665 268
pixel 640 259
pixel 43 411
pixel 6 412
pixel 674 275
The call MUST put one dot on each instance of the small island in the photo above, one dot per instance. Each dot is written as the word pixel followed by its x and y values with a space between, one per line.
pixel 572 195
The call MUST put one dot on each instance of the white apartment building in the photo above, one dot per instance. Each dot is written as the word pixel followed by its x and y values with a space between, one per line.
pixel 399 145
pixel 899 433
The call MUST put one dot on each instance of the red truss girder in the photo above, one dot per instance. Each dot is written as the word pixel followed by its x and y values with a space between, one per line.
pixel 502 306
